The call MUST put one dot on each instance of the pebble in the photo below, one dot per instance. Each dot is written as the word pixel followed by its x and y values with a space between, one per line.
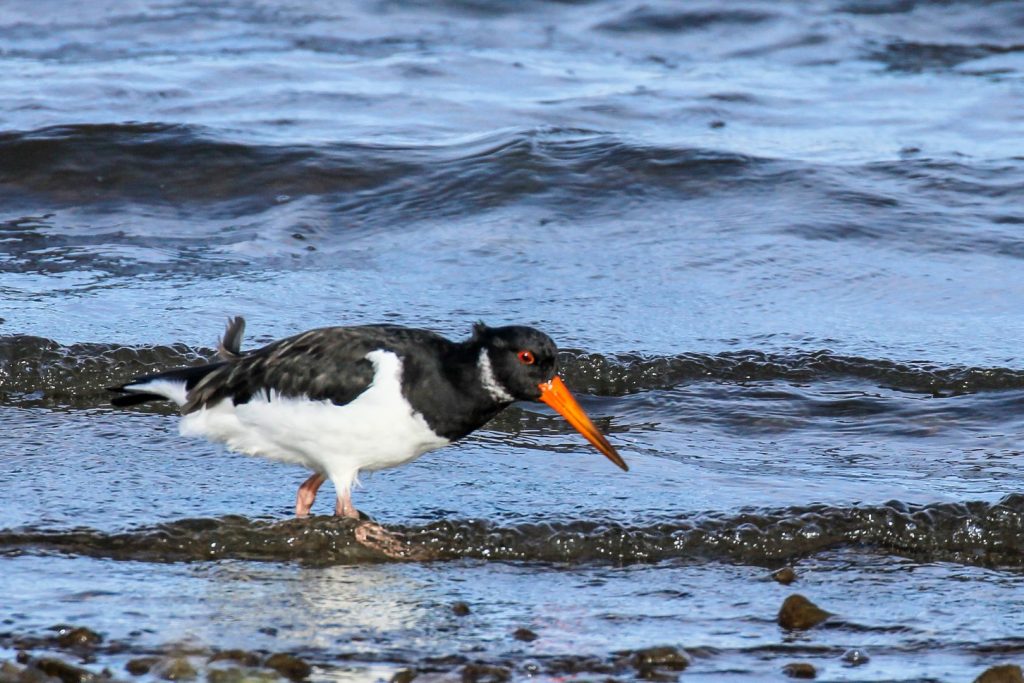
pixel 662 663
pixel 404 676
pixel 663 656
pixel 798 612
pixel 1004 673
pixel 175 669
pixel 33 675
pixel 140 665
pixel 235 674
pixel 800 670
pixel 62 670
pixel 485 673
pixel 288 666
pixel 243 657
pixel 525 635
pixel 785 576
pixel 80 637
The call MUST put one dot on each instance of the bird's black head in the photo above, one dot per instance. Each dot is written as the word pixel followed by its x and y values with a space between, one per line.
pixel 520 364
pixel 519 359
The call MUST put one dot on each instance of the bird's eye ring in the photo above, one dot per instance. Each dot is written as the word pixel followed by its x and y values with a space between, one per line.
pixel 526 357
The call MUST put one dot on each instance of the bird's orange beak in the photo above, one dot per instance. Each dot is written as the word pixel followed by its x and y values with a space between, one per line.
pixel 556 394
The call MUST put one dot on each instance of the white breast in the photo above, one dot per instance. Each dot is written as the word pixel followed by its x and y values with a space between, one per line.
pixel 378 429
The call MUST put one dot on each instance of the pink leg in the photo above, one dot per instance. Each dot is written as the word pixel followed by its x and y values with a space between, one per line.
pixel 344 506
pixel 307 494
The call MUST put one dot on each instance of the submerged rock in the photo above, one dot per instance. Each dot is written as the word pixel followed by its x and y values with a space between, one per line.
pixel 404 676
pixel 235 674
pixel 9 671
pixel 574 664
pixel 460 609
pixel 662 663
pixel 1004 673
pixel 798 612
pixel 525 635
pixel 785 576
pixel 140 665
pixel 800 670
pixel 12 673
pixel 485 673
pixel 243 657
pixel 67 673
pixel 855 657
pixel 80 637
pixel 288 666
pixel 175 669
pixel 663 656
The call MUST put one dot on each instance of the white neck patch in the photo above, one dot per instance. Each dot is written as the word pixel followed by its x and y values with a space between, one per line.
pixel 490 382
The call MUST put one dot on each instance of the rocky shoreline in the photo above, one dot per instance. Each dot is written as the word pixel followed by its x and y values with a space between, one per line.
pixel 67 653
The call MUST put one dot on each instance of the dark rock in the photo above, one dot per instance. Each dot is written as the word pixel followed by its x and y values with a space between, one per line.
pixel 485 673
pixel 234 674
pixel 525 635
pixel 658 663
pixel 574 664
pixel 33 675
pixel 243 657
pixel 800 670
pixel 460 609
pixel 798 612
pixel 404 675
pixel 22 657
pixel 288 666
pixel 855 657
pixel 445 660
pixel 80 637
pixel 664 657
pixel 1004 673
pixel 62 670
pixel 140 665
pixel 268 630
pixel 785 576
pixel 10 672
pixel 229 675
pixel 175 669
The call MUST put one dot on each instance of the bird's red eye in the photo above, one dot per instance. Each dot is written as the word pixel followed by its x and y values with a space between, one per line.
pixel 526 357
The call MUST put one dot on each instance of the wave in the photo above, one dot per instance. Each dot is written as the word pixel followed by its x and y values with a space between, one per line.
pixel 39 371
pixel 167 173
pixel 977 533
pixel 646 19
pixel 171 163
pixel 179 164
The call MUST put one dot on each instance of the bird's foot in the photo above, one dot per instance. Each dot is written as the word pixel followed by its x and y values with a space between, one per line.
pixel 307 494
pixel 375 537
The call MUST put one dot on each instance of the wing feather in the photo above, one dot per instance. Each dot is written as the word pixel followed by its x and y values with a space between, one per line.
pixel 323 364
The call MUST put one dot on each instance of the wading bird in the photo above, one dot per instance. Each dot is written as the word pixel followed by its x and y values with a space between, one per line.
pixel 340 400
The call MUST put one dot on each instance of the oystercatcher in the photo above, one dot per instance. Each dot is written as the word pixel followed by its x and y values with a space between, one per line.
pixel 340 400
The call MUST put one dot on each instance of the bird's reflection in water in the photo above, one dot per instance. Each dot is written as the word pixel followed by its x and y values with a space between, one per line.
pixel 339 610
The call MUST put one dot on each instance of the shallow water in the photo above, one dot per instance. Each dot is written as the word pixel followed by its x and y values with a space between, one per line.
pixel 779 243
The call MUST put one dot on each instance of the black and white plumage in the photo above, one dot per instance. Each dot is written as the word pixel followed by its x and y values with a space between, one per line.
pixel 340 400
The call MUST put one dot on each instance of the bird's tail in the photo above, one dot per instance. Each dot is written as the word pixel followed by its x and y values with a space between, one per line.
pixel 230 346
pixel 174 385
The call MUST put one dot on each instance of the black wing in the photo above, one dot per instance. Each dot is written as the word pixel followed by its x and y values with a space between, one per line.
pixel 323 364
